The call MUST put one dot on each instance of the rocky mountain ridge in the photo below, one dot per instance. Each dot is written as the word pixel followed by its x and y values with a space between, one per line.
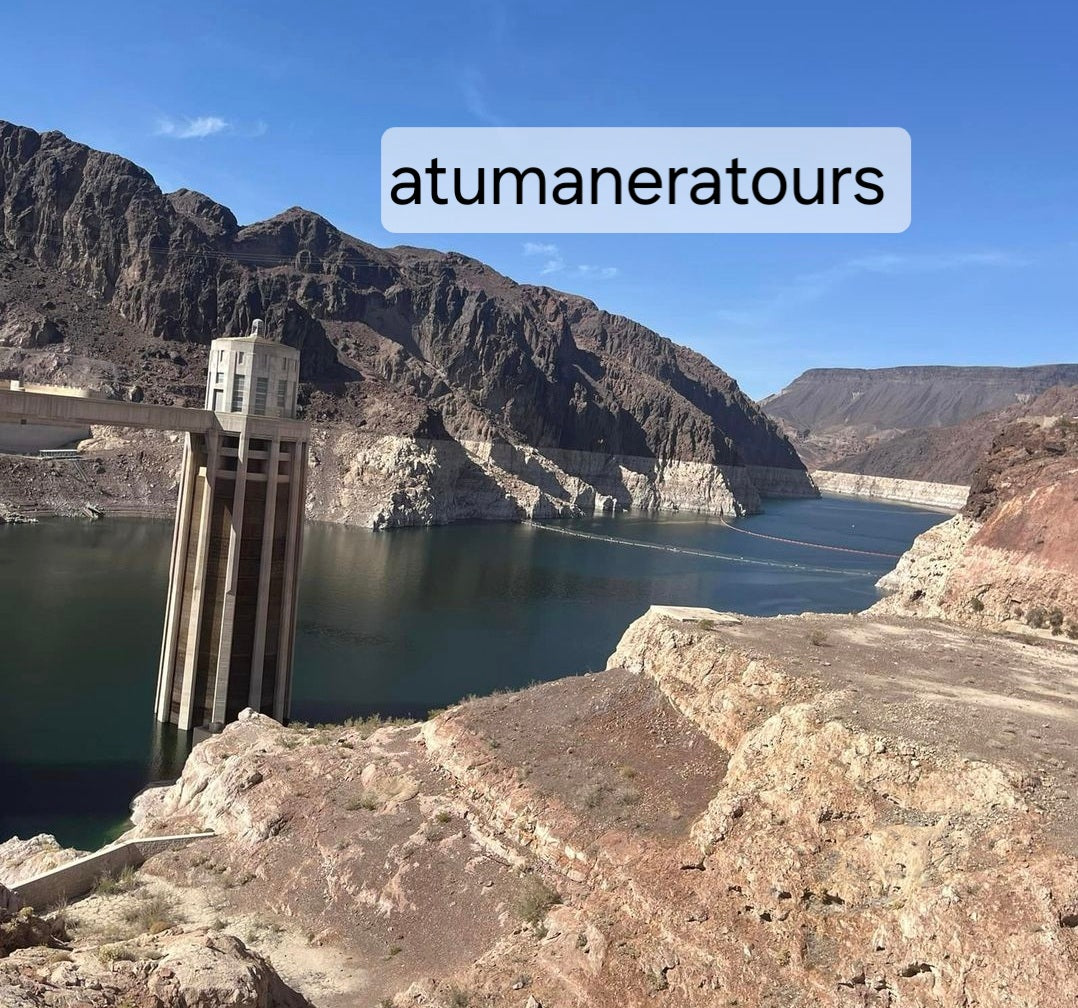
pixel 874 809
pixel 952 454
pixel 109 282
pixel 898 421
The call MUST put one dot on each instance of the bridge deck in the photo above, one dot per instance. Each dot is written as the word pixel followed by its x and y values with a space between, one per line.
pixel 18 406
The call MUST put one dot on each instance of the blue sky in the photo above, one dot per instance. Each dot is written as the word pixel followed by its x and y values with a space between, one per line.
pixel 269 105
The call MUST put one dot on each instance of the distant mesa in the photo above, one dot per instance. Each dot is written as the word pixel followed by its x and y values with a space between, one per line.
pixel 911 422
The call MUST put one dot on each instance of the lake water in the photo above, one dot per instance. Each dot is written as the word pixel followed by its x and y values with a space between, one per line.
pixel 393 623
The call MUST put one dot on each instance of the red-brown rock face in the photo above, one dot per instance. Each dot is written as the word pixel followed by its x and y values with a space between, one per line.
pixel 1011 558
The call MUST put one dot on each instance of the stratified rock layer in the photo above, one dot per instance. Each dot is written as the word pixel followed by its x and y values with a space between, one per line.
pixel 937 495
pixel 1009 560
pixel 800 811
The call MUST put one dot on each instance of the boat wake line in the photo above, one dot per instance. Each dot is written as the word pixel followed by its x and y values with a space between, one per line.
pixel 690 551
pixel 802 542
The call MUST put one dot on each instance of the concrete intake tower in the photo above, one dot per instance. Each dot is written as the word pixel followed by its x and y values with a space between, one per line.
pixel 233 579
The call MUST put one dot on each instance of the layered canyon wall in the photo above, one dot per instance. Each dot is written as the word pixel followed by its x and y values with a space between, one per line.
pixel 537 399
pixel 930 424
pixel 937 495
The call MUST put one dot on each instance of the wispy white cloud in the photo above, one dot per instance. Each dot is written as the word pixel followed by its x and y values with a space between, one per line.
pixel 474 92
pixel 813 286
pixel 555 263
pixel 605 272
pixel 192 129
pixel 932 262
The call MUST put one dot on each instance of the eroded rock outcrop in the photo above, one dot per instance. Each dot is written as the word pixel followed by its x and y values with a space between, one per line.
pixel 181 969
pixel 937 495
pixel 1009 560
pixel 23 859
pixel 814 810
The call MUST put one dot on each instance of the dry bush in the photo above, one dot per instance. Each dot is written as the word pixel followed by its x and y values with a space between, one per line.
pixel 534 899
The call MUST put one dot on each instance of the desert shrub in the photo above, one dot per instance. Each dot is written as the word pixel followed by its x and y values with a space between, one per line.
pixel 1055 621
pixel 1035 617
pixel 593 793
pixel 114 884
pixel 534 899
pixel 459 998
pixel 368 801
pixel 817 638
pixel 151 915
pixel 976 604
pixel 1072 630
pixel 364 725
pixel 116 953
pixel 61 918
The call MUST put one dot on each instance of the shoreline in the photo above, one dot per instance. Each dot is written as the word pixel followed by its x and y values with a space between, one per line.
pixel 17 516
pixel 947 497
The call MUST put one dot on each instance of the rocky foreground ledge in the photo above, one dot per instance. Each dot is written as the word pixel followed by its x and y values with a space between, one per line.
pixel 814 810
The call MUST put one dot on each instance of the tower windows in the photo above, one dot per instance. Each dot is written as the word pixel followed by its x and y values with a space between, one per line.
pixel 261 389
pixel 237 392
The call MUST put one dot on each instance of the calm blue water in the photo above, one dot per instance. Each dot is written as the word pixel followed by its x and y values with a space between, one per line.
pixel 391 622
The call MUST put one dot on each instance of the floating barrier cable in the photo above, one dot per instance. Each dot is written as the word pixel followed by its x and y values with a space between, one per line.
pixel 690 551
pixel 801 542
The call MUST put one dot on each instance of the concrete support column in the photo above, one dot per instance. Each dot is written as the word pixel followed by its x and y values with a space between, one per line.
pixel 193 626
pixel 215 638
pixel 293 553
pixel 177 574
pixel 265 574
pixel 228 610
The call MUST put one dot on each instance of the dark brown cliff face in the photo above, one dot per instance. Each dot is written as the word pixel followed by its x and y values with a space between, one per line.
pixel 127 285
pixel 1033 451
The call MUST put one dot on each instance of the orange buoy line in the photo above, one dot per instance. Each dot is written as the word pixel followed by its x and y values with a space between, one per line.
pixel 802 542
